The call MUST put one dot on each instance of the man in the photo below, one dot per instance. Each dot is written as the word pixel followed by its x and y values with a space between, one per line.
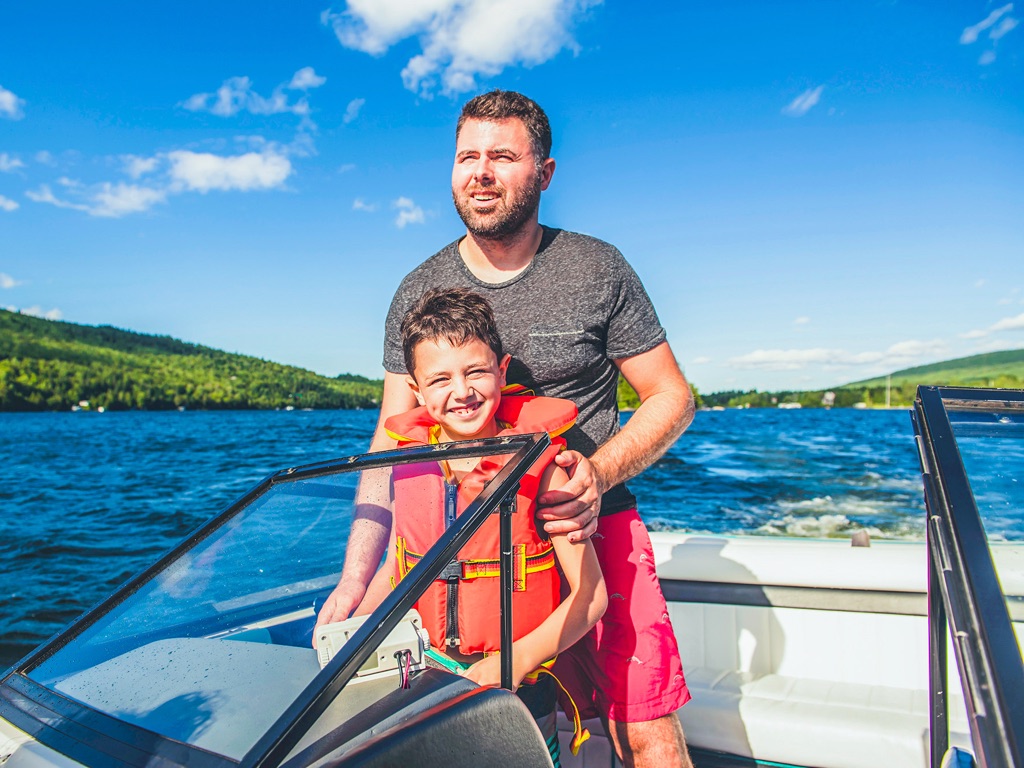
pixel 574 315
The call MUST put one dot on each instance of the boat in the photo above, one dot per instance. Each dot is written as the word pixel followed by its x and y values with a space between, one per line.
pixel 799 653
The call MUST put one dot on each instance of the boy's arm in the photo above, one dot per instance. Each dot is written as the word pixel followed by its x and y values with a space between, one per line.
pixel 574 616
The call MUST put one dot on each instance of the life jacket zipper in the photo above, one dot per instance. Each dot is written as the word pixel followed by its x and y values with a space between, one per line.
pixel 451 633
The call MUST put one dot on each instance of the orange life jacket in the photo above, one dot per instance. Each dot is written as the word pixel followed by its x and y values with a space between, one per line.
pixel 461 608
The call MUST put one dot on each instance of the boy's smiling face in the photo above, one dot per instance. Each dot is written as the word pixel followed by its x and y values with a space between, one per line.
pixel 459 386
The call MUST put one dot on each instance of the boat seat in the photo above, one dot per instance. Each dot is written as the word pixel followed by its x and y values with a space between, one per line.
pixel 810 722
pixel 794 685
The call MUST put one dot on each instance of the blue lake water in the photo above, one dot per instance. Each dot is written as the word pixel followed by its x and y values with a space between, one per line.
pixel 89 499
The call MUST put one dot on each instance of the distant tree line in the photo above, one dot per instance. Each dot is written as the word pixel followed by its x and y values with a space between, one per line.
pixel 47 365
pixel 900 394
pixel 629 400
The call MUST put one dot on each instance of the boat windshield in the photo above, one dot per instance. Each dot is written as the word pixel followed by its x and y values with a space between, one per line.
pixel 213 645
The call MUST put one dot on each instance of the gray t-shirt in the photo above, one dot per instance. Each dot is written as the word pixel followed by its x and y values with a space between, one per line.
pixel 577 307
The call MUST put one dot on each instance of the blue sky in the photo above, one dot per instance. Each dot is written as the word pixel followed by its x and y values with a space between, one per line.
pixel 812 192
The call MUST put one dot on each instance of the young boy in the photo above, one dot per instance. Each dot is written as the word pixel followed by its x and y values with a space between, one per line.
pixel 457 366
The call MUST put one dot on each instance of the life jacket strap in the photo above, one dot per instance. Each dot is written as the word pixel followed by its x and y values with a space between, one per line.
pixel 522 565
pixel 580 734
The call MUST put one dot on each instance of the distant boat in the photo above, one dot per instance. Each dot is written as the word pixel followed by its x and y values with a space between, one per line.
pixel 789 406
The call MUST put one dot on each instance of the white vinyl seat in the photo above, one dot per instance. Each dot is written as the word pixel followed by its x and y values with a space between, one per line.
pixel 800 686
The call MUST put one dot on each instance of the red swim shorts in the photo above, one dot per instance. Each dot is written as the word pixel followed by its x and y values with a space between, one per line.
pixel 627 668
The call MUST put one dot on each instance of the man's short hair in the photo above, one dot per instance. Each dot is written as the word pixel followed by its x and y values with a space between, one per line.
pixel 505 105
pixel 454 315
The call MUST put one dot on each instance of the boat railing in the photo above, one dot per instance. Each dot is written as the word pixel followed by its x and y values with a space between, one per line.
pixel 967 607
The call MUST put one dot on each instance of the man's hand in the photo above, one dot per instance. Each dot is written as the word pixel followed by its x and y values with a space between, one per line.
pixel 573 508
pixel 342 601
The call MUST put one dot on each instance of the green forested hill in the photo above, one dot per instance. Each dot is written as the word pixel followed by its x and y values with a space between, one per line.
pixel 1004 370
pixel 52 365
pixel 992 369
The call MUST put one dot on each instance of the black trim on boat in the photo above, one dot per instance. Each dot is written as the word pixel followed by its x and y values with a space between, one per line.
pixel 970 599
pixel 783 596
pixel 91 737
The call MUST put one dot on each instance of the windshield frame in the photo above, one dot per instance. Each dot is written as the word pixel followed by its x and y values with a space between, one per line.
pixel 966 599
pixel 93 737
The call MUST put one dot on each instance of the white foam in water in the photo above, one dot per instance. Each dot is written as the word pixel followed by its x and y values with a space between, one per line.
pixel 830 526
pixel 823 526
pixel 832 506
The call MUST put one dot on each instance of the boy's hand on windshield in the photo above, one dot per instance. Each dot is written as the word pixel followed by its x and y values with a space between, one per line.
pixel 573 508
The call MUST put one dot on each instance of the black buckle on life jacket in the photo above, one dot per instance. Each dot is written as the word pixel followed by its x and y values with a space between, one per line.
pixel 451 572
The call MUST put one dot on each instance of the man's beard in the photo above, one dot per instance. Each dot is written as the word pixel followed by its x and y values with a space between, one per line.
pixel 500 224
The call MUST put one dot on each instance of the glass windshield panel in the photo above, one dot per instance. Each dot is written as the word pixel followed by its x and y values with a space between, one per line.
pixel 214 647
pixel 991 444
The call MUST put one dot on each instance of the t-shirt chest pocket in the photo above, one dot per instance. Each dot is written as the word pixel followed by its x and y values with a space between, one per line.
pixel 560 351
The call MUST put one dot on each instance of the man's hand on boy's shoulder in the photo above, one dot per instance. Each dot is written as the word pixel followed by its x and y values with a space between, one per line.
pixel 573 508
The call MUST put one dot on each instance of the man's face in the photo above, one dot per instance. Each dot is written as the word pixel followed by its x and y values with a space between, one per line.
pixel 495 182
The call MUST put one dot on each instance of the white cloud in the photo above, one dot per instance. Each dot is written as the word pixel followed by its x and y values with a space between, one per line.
pixel 9 163
pixel 973 335
pixel 236 95
pixel 803 103
pixel 170 174
pixel 45 158
pixel 970 34
pixel 896 355
pixel 346 167
pixel 784 359
pixel 408 213
pixel 352 110
pixel 106 200
pixel 361 205
pixel 803 320
pixel 45 195
pixel 136 166
pixel 459 39
pixel 701 360
pixel 116 200
pixel 980 282
pixel 1006 25
pixel 7 282
pixel 1009 324
pixel 201 172
pixel 11 106
pixel 987 58
pixel 6 204
pixel 1006 324
pixel 37 311
pixel 305 79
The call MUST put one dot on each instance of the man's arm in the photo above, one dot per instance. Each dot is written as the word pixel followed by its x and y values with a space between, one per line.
pixel 666 409
pixel 371 527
